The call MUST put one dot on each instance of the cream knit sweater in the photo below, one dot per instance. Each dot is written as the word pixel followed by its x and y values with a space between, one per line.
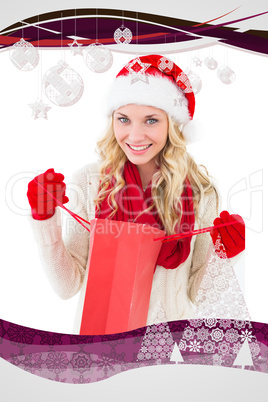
pixel 65 260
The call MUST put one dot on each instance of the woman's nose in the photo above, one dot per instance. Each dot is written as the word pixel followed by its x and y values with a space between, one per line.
pixel 136 133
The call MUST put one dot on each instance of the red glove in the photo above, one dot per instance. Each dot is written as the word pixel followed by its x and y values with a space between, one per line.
pixel 42 204
pixel 232 236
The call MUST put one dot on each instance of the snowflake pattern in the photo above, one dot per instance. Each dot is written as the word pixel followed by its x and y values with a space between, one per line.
pixel 209 347
pixel 232 335
pixel 188 333
pixel 62 358
pixel 57 362
pixel 194 346
pixel 219 294
pixel 202 334
pixel 20 335
pixel 157 343
pixel 80 362
pixel 217 334
pixel 246 335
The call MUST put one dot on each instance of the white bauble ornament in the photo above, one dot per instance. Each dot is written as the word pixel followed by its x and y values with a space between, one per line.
pixel 211 63
pixel 226 75
pixel 195 81
pixel 98 58
pixel 165 65
pixel 62 85
pixel 122 35
pixel 24 55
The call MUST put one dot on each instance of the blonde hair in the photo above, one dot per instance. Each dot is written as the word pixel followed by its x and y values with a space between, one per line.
pixel 175 165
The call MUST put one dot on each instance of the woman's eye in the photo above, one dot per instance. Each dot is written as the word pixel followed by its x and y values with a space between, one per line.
pixel 151 121
pixel 123 119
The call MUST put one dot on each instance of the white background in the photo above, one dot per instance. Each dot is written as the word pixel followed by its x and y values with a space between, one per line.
pixel 233 149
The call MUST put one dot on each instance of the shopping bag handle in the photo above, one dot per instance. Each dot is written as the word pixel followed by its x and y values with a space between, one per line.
pixel 75 216
pixel 193 232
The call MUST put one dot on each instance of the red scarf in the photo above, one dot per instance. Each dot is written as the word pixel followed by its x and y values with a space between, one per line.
pixel 132 200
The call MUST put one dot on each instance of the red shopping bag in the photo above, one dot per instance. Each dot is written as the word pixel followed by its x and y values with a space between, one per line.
pixel 122 259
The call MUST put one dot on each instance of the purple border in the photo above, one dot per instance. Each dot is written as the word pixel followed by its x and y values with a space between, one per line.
pixel 84 359
pixel 153 29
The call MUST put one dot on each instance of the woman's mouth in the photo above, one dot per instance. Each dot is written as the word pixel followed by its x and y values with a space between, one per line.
pixel 140 148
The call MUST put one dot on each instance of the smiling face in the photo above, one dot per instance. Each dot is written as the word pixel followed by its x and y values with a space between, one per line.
pixel 142 132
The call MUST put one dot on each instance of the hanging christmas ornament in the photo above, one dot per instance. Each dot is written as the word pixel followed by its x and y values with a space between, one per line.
pixel 211 63
pixel 165 65
pixel 62 85
pixel 195 80
pixel 39 109
pixel 98 58
pixel 76 47
pixel 226 74
pixel 24 55
pixel 197 61
pixel 122 35
pixel 184 83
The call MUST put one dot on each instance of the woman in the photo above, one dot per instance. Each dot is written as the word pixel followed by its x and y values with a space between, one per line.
pixel 145 176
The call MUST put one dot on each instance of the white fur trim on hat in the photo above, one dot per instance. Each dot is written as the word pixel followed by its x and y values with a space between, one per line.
pixel 158 92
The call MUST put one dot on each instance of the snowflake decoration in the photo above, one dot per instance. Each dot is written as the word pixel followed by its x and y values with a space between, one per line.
pixel 156 347
pixel 223 348
pixel 197 61
pixel 231 335
pixel 137 70
pixel 209 347
pixel 165 65
pixel 76 47
pixel 217 334
pixel 194 346
pixel 246 335
pixel 39 109
pixel 254 349
pixel 182 345
pixel 184 83
pixel 188 333
pixel 202 334
pixel 210 322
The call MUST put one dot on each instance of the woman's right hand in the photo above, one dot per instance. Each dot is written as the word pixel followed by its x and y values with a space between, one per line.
pixel 42 204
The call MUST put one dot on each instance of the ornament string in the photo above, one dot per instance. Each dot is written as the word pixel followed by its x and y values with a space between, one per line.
pixel 194 232
pixel 75 216
pixel 96 25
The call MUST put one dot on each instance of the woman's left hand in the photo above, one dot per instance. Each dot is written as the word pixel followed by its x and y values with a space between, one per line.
pixel 232 236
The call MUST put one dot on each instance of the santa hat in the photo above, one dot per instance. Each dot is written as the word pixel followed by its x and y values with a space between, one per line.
pixel 155 80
